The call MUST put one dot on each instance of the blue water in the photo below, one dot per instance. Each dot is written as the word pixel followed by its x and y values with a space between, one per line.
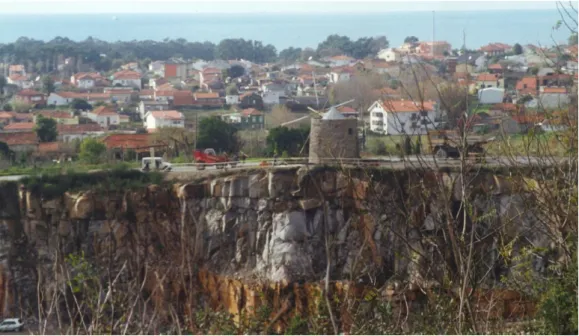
pixel 298 30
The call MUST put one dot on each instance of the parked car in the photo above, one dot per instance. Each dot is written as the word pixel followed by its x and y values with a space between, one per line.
pixel 12 324
pixel 155 163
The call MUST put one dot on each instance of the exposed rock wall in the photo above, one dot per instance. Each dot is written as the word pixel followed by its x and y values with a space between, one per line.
pixel 258 229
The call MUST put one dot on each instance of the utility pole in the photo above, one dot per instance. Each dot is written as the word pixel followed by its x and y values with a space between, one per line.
pixel 315 90
pixel 433 36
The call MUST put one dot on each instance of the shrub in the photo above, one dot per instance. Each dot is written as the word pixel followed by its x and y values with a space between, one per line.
pixel 377 146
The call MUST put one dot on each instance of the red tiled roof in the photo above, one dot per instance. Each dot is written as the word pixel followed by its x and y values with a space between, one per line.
pixel 16 67
pixel 510 107
pixel 168 115
pixel 342 58
pixel 103 111
pixel 206 95
pixel 346 109
pixel 397 106
pixel 495 66
pixel 18 78
pixel 208 71
pixel 165 93
pixel 127 74
pixel 19 138
pixel 129 141
pixel 530 83
pixel 22 117
pixel 20 126
pixel 251 112
pixel 118 91
pixel 485 77
pixel 29 93
pixel 5 115
pixel 78 129
pixel 554 90
pixel 56 114
pixel 496 47
pixel 182 98
pixel 45 147
pixel 147 92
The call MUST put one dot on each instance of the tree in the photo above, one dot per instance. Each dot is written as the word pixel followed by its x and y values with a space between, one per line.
pixel 2 84
pixel 47 85
pixel 362 88
pixel 235 71
pixel 517 49
pixel 411 39
pixel 290 55
pixel 285 140
pixel 46 129
pixel 180 141
pixel 5 151
pixel 217 134
pixel 572 40
pixel 453 100
pixel 80 104
pixel 92 150
pixel 231 90
pixel 21 107
pixel 7 107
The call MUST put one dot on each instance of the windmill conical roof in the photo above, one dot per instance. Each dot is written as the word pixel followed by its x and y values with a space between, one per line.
pixel 333 114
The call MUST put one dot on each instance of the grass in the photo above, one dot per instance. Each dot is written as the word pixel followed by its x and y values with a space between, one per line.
pixel 66 167
pixel 119 178
pixel 390 142
pixel 546 144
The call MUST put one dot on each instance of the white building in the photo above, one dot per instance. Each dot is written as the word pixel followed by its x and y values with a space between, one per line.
pixel 491 95
pixel 104 116
pixel 271 97
pixel 394 117
pixel 232 99
pixel 390 55
pixel 127 78
pixel 23 82
pixel 60 98
pixel 169 118
pixel 340 76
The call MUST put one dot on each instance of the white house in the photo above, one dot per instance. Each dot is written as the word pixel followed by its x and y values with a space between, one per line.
pixel 491 95
pixel 231 99
pixel 169 118
pixel 340 76
pixel 157 67
pixel 86 82
pixel 340 60
pixel 390 55
pixel 271 97
pixel 69 133
pixel 127 78
pixel 23 82
pixel 60 98
pixel 104 116
pixel 394 117
pixel 151 105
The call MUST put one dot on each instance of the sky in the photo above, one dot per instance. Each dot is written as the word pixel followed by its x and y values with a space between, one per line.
pixel 240 6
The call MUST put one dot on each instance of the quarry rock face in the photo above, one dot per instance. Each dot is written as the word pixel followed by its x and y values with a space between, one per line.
pixel 254 230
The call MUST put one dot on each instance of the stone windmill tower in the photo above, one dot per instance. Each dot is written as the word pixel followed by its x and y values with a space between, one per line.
pixel 333 136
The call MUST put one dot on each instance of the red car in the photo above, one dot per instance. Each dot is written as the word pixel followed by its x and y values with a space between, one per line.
pixel 208 157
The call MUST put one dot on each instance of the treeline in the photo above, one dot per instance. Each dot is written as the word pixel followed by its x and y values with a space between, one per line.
pixel 45 56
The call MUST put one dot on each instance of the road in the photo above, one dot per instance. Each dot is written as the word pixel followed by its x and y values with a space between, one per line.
pixel 394 162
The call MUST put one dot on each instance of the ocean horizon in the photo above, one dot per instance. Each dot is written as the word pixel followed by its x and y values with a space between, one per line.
pixel 295 29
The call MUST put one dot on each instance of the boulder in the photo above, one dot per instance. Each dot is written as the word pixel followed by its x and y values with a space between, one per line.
pixel 290 226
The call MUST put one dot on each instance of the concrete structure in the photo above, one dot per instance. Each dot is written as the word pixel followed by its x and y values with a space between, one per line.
pixel 491 95
pixel 333 136
pixel 390 55
pixel 159 119
pixel 104 116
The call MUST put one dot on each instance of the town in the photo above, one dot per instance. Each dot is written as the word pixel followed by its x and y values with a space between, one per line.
pixel 69 109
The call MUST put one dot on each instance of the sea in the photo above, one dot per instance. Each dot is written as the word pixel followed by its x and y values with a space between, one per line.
pixel 475 28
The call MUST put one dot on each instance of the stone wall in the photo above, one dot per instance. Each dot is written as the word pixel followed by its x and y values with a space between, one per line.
pixel 333 139
pixel 264 227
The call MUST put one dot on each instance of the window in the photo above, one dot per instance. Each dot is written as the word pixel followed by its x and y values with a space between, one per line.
pixel 349 131
pixel 378 114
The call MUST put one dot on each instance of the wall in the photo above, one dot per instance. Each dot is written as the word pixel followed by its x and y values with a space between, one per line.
pixel 333 138
pixel 258 236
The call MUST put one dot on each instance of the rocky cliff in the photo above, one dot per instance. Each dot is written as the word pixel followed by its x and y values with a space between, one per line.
pixel 235 242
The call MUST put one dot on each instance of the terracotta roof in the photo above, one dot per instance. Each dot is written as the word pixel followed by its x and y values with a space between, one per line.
pixel 251 112
pixel 530 83
pixel 208 71
pixel 342 58
pixel 407 106
pixel 87 75
pixel 95 96
pixel 182 98
pixel 505 107
pixel 127 74
pixel 147 92
pixel 67 94
pixel 16 67
pixel 131 141
pixel 165 93
pixel 22 117
pixel 20 126
pixel 5 115
pixel 168 115
pixel 164 86
pixel 29 93
pixel 485 77
pixel 206 95
pixel 20 138
pixel 496 47
pixel 346 109
pixel 495 66
pixel 554 90
pixel 56 114
pixel 78 129
pixel 103 111
pixel 18 78
pixel 45 147
pixel 118 90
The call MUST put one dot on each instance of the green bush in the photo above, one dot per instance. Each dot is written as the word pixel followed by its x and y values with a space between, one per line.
pixel 377 146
